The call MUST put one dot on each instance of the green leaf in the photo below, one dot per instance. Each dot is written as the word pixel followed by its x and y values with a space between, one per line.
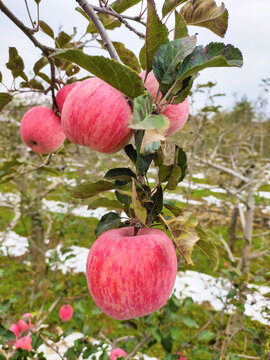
pixel 46 29
pixel 174 177
pixel 122 5
pixel 80 10
pixel 45 77
pixel 212 55
pixel 142 57
pixel 1 77
pixel 123 191
pixel 143 161
pixel 169 56
pixel 156 34
pixel 188 321
pixel 108 221
pixel 40 64
pixel 127 56
pixel 120 174
pixel 206 13
pixel 6 334
pixel 105 202
pixel 170 5
pixel 180 28
pixel 62 40
pixel 182 228
pixel 5 98
pixel 119 76
pixel 142 107
pixel 157 200
pixel 172 207
pixel 184 91
pixel 207 246
pixel 16 64
pixel 140 211
pixel 131 153
pixel 206 336
pixel 164 173
pixel 89 189
pixel 32 84
pixel 151 122
pixel 159 157
pixel 182 163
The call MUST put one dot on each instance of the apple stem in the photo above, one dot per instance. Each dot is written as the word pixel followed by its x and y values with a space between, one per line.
pixel 136 229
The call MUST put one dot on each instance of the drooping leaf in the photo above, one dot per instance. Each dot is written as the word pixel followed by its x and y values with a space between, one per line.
pixel 105 202
pixel 43 61
pixel 142 57
pixel 45 77
pixel 208 247
pixel 1 77
pixel 188 321
pixel 131 153
pixel 151 122
pixel 140 211
pixel 164 172
pixel 15 64
pixel 180 27
pixel 143 161
pixel 120 174
pixel 169 56
pixel 123 191
pixel 156 34
pixel 72 69
pixel 108 221
pixel 159 157
pixel 174 177
pixel 212 55
pixel 182 163
pixel 5 98
pixel 182 228
pixel 32 84
pixel 89 189
pixel 117 75
pixel 127 56
pixel 83 13
pixel 170 5
pixel 207 14
pixel 46 29
pixel 180 95
pixel 157 200
pixel 178 169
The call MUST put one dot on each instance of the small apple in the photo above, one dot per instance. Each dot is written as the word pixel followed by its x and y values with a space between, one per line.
pixel 24 343
pixel 15 329
pixel 131 275
pixel 97 115
pixel 22 325
pixel 66 312
pixel 117 353
pixel 63 93
pixel 41 130
pixel 177 114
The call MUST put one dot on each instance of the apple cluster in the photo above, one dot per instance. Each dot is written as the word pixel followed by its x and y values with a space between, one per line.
pixel 93 114
pixel 22 341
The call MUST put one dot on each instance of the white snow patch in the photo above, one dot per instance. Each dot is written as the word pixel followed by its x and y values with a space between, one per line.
pixel 181 198
pixel 264 194
pixel 198 176
pixel 12 244
pixel 212 200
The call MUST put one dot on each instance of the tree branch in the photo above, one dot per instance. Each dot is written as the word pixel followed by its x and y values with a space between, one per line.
pixel 134 351
pixel 88 9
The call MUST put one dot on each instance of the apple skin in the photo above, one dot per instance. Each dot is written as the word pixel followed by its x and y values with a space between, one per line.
pixel 117 353
pixel 66 313
pixel 63 93
pixel 97 116
pixel 15 329
pixel 131 276
pixel 41 130
pixel 24 343
pixel 177 114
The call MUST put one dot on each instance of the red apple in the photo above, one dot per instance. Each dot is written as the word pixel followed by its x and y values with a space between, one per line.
pixel 66 312
pixel 41 130
pixel 117 353
pixel 131 276
pixel 63 93
pixel 97 115
pixel 177 114
pixel 22 325
pixel 24 343
pixel 15 329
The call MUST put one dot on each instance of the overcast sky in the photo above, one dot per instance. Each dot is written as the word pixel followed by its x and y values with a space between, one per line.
pixel 249 29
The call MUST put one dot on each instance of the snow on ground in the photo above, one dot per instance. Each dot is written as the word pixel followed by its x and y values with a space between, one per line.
pixel 181 198
pixel 12 244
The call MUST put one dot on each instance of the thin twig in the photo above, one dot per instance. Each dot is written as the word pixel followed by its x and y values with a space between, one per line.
pixel 50 346
pixel 210 321
pixel 53 306
pixel 88 9
pixel 134 351
pixel 53 81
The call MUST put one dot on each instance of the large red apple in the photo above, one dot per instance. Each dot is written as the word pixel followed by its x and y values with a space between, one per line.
pixel 177 114
pixel 97 115
pixel 131 276
pixel 41 130
pixel 63 93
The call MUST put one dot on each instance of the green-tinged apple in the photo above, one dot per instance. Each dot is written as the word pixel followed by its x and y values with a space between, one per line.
pixel 41 130
pixel 131 275
pixel 63 93
pixel 97 115
pixel 177 114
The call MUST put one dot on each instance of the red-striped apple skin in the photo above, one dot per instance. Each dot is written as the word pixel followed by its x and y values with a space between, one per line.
pixel 41 130
pixel 97 116
pixel 63 93
pixel 177 114
pixel 131 276
pixel 117 353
